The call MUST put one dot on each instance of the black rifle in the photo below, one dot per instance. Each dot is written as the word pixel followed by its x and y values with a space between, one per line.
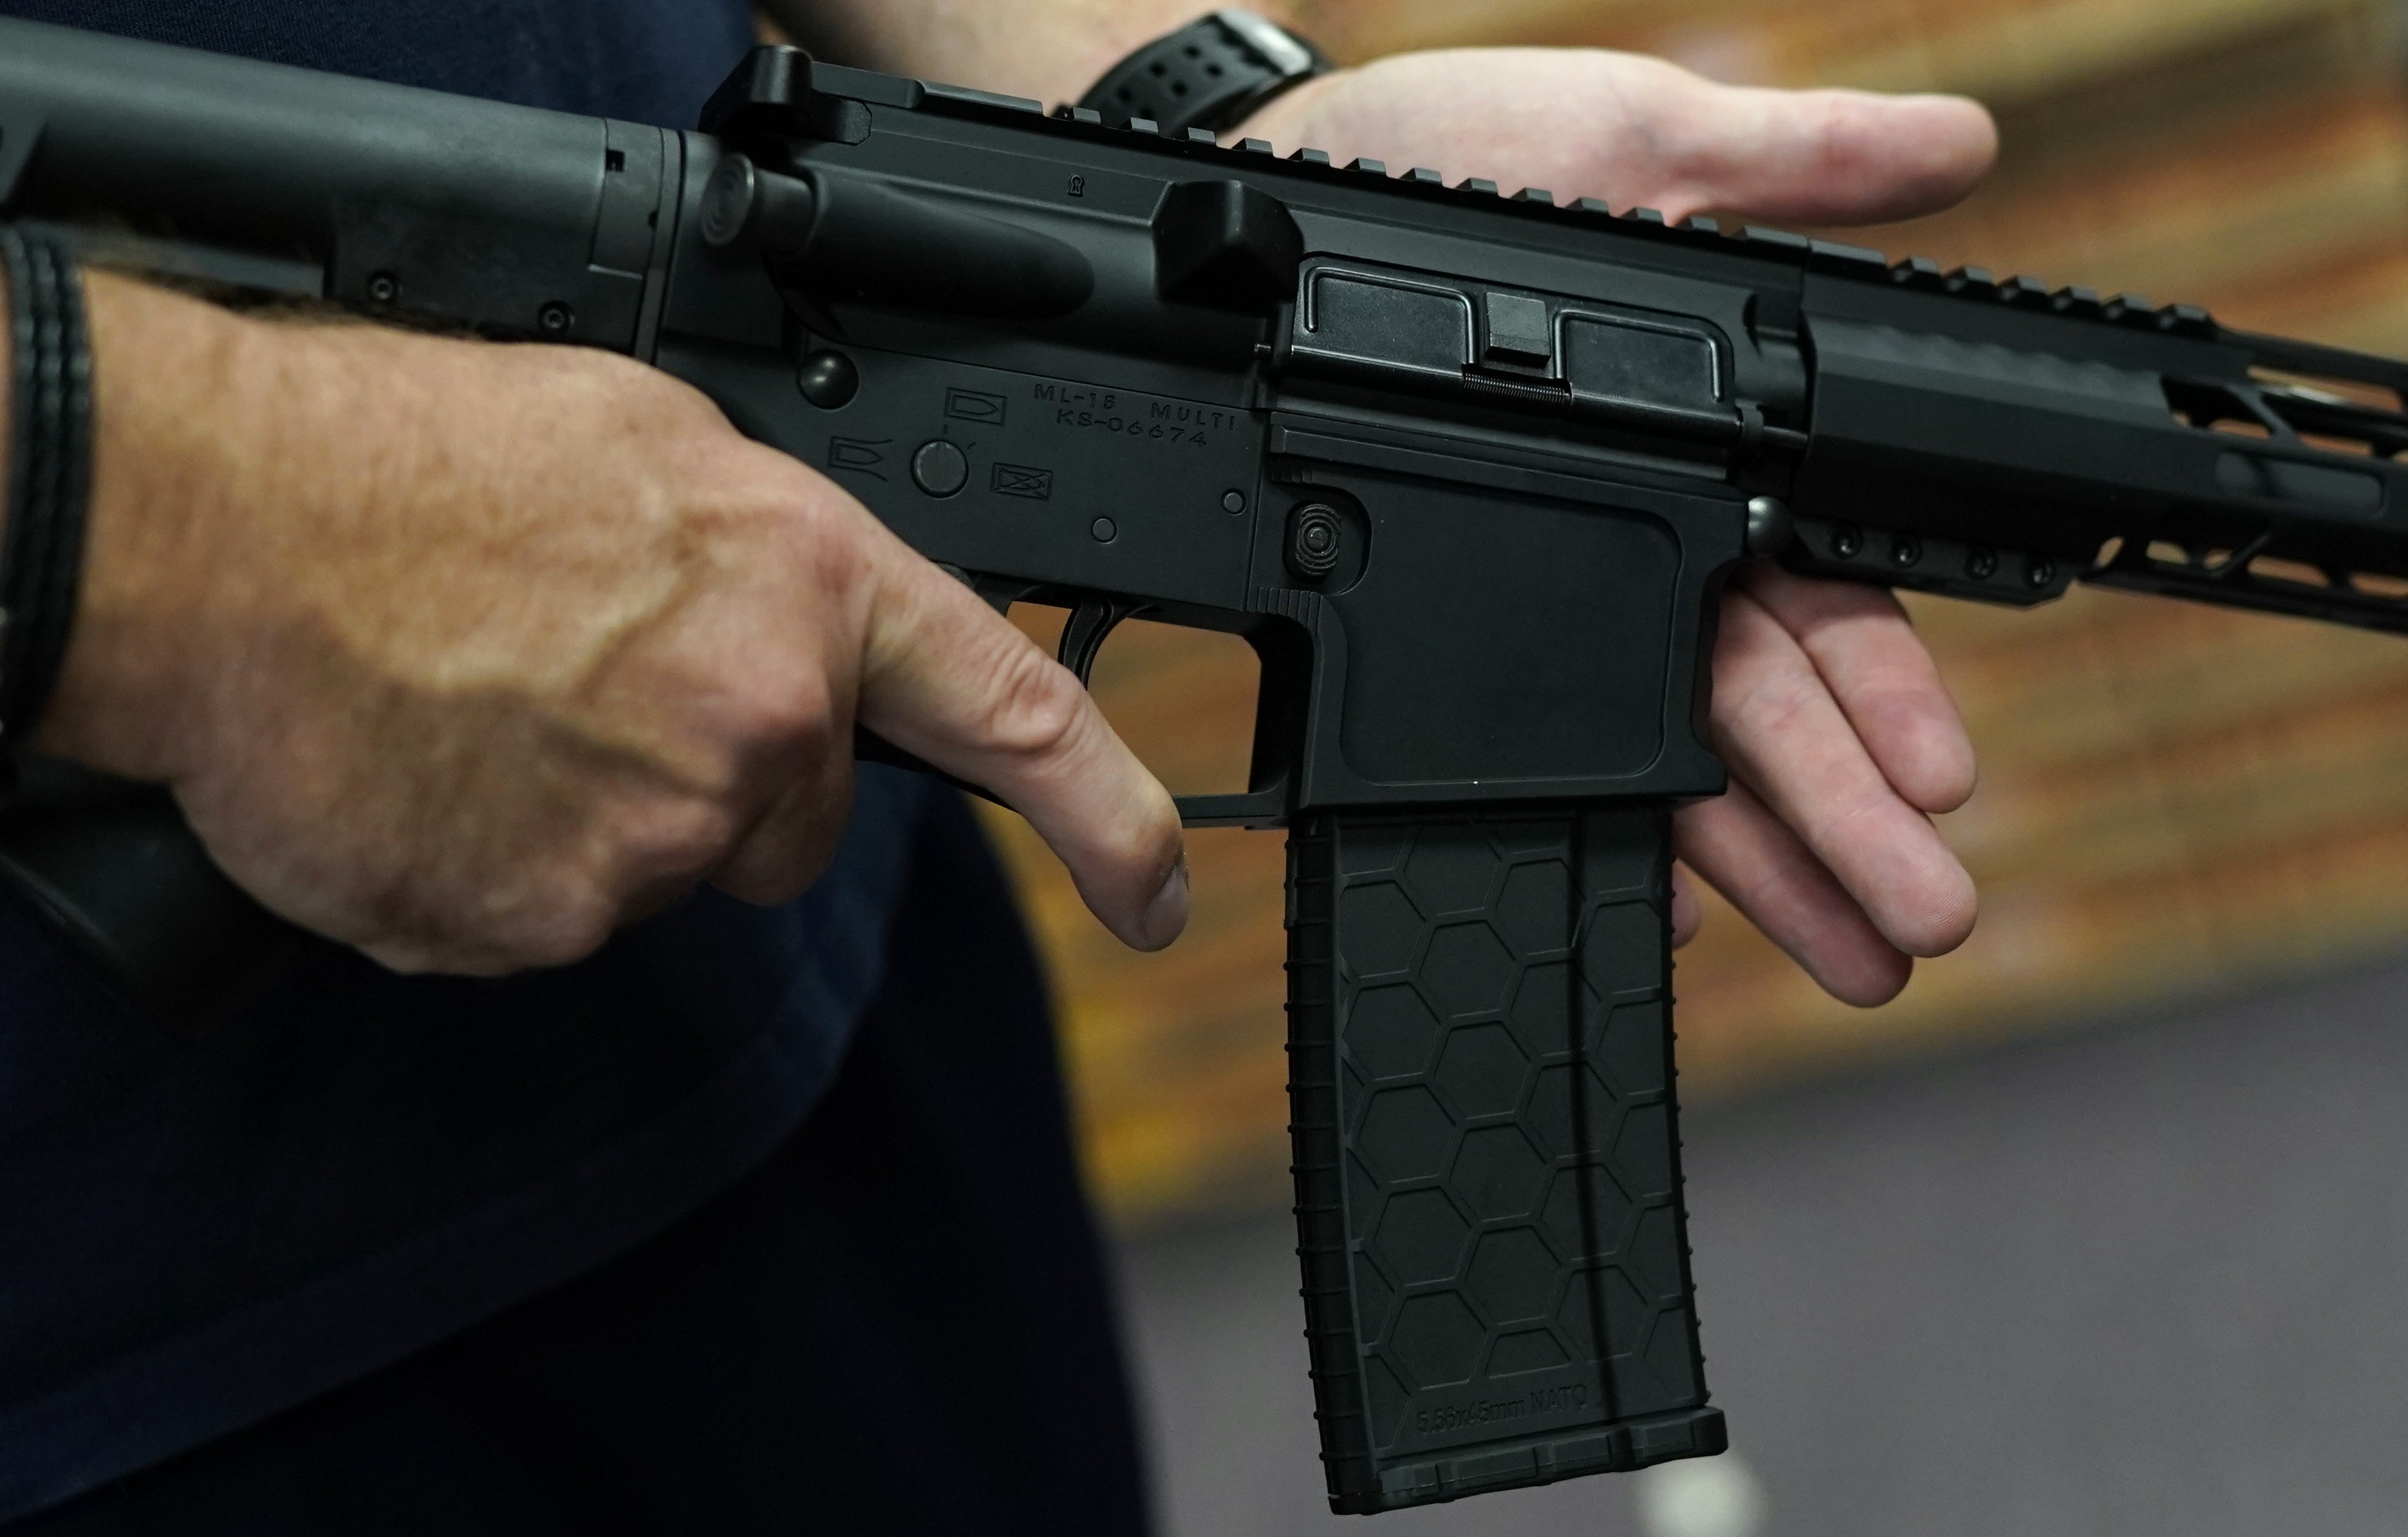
pixel 1467 470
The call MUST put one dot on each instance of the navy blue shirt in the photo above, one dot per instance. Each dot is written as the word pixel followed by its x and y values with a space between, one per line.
pixel 194 1234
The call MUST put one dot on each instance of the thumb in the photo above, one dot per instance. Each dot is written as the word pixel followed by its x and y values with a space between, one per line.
pixel 1821 157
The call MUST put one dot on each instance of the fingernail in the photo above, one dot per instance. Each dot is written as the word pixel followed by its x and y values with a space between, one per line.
pixel 1167 914
pixel 1687 916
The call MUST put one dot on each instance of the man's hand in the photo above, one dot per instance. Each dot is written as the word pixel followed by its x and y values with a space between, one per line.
pixel 466 654
pixel 1839 735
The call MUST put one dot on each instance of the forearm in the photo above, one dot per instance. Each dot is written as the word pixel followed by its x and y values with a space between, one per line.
pixel 1049 49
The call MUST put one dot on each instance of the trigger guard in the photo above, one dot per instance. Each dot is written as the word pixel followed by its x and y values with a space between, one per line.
pixel 997 593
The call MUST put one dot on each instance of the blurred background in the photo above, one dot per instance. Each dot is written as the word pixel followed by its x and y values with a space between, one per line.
pixel 2094 1229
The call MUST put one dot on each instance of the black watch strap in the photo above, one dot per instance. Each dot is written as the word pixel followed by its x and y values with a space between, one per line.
pixel 1210 74
pixel 49 480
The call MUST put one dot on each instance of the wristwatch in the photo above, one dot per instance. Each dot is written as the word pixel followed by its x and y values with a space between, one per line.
pixel 1212 74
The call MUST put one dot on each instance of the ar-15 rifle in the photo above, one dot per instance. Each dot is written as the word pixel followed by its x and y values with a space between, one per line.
pixel 1467 470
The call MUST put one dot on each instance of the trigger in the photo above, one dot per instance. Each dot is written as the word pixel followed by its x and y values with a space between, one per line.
pixel 1090 624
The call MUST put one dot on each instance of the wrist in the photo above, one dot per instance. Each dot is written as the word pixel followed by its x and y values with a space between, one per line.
pixel 184 426
pixel 1048 50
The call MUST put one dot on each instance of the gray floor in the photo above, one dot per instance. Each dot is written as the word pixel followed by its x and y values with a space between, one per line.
pixel 2151 1277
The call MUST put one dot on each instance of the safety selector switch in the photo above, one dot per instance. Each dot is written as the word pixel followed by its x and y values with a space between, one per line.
pixel 940 467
